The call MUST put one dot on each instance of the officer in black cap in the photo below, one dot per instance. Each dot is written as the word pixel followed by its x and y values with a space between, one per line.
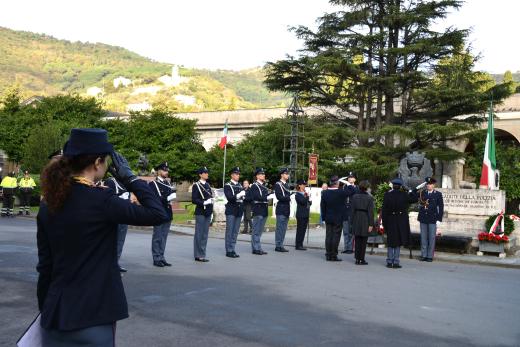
pixel 202 197
pixel 234 211
pixel 166 192
pixel 283 208
pixel 396 224
pixel 351 189
pixel 303 204
pixel 431 210
pixel 259 196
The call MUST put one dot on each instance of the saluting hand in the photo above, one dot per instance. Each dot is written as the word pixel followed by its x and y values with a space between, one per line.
pixel 121 171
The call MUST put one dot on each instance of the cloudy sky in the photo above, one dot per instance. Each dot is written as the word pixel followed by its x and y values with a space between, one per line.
pixel 233 34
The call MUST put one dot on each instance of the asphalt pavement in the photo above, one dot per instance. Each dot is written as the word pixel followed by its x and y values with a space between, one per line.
pixel 280 299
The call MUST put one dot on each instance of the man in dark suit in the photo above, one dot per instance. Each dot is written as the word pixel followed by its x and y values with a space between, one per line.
pixel 394 216
pixel 333 209
pixel 431 210
pixel 283 209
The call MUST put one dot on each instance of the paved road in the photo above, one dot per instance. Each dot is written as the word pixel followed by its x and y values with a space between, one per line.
pixel 294 299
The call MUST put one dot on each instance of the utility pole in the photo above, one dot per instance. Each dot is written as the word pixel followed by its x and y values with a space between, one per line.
pixel 296 141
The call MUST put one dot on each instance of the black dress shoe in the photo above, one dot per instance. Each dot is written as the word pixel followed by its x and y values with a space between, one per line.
pixel 388 265
pixel 232 255
pixel 347 251
pixel 422 259
pixel 122 269
pixel 397 266
pixel 281 249
pixel 165 263
pixel 300 248
pixel 429 260
pixel 158 263
pixel 362 262
pixel 202 260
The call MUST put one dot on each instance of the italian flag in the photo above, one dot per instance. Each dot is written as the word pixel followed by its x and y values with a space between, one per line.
pixel 223 139
pixel 489 166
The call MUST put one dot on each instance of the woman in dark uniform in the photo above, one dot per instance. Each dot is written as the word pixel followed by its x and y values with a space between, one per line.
pixel 80 292
pixel 362 217
pixel 303 204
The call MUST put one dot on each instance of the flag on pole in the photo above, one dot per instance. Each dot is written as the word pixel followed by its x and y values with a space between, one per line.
pixel 489 165
pixel 224 138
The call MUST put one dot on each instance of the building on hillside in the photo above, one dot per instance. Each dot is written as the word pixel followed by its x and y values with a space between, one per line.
pixel 138 107
pixel 95 92
pixel 122 82
pixel 33 101
pixel 174 80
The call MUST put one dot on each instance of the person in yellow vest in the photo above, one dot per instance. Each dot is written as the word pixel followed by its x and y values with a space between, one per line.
pixel 26 186
pixel 8 185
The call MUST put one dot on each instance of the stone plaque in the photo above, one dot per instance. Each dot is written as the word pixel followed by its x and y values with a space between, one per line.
pixel 476 202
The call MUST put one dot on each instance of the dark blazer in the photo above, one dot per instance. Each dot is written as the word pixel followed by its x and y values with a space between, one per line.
pixel 234 206
pixel 162 189
pixel 200 192
pixel 394 216
pixel 351 191
pixel 302 205
pixel 79 283
pixel 362 213
pixel 257 195
pixel 435 209
pixel 333 205
pixel 283 195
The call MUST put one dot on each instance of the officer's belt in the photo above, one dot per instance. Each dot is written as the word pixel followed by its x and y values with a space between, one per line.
pixel 259 202
pixel 397 212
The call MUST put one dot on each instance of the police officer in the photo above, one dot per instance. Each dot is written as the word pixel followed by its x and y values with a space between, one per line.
pixel 431 210
pixel 234 211
pixel 8 185
pixel 283 208
pixel 202 197
pixel 166 192
pixel 303 204
pixel 259 196
pixel 26 185
pixel 333 209
pixel 394 216
pixel 122 229
pixel 351 189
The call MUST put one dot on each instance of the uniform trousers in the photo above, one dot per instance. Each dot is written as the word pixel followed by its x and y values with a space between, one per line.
pixel 332 238
pixel 8 202
pixel 232 229
pixel 25 199
pixel 200 239
pixel 301 229
pixel 392 255
pixel 99 336
pixel 258 229
pixel 347 236
pixel 428 232
pixel 281 228
pixel 360 247
pixel 121 236
pixel 160 234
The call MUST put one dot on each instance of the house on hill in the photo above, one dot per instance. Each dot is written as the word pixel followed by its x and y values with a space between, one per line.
pixel 122 82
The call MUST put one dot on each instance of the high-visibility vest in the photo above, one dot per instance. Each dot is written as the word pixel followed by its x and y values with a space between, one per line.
pixel 27 183
pixel 9 182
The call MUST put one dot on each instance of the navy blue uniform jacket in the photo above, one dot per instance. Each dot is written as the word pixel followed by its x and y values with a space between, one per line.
pixel 79 283
pixel 333 205
pixel 435 209
pixel 199 193
pixel 162 189
pixel 302 205
pixel 233 207
pixel 283 194
pixel 257 195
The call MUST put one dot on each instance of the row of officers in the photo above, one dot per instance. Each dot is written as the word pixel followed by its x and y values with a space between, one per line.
pixel 347 210
pixel 10 185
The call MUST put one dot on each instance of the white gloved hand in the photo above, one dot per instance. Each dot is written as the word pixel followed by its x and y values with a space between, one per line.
pixel 241 194
pixel 270 196
pixel 421 185
pixel 208 202
pixel 171 197
pixel 391 185
pixel 343 181
pixel 438 223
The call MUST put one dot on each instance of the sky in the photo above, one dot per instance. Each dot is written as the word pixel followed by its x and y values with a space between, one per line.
pixel 234 34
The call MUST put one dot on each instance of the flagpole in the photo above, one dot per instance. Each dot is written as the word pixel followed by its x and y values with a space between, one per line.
pixel 224 169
